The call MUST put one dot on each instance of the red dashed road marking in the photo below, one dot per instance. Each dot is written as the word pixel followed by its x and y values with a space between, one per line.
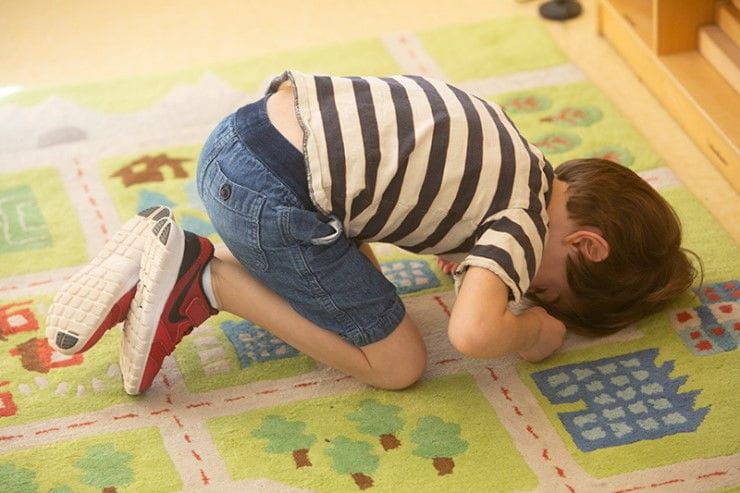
pixel 445 361
pixel 672 481
pixel 305 384
pixel 78 425
pixel 636 488
pixel 532 432
pixel 237 398
pixel 9 437
pixel 441 303
pixel 48 430
pixel 711 474
pixel 505 393
pixel 198 404
pixel 39 283
pixel 530 429
pixel 91 199
pixel 34 284
pixel 409 50
pixel 203 477
pixel 270 391
pixel 665 483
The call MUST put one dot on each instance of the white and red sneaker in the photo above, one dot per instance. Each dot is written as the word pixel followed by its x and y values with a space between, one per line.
pixel 98 296
pixel 168 304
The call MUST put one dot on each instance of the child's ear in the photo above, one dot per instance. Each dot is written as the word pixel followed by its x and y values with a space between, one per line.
pixel 591 244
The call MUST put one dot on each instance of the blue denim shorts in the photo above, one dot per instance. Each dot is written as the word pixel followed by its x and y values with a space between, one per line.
pixel 266 219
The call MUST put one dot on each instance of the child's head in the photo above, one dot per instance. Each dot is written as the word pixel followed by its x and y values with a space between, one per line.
pixel 629 262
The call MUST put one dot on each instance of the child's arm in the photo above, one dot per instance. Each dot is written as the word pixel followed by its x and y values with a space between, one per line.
pixel 481 325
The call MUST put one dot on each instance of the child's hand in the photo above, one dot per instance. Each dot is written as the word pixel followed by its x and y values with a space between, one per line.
pixel 447 266
pixel 550 338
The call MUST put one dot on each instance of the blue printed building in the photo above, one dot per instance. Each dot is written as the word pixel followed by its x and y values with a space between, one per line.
pixel 627 398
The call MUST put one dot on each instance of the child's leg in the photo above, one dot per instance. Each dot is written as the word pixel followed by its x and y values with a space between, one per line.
pixel 393 363
pixel 171 299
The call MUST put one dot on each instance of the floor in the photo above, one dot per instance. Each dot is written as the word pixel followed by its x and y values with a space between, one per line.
pixel 52 43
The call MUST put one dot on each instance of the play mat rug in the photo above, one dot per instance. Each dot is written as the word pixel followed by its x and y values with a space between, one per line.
pixel 652 408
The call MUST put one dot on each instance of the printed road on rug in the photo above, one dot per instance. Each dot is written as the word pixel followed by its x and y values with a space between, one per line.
pixel 652 408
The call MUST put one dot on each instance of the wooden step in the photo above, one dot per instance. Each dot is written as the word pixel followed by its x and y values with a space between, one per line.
pixel 719 50
pixel 728 19
pixel 689 87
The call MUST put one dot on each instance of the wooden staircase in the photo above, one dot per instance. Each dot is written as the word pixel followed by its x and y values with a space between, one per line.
pixel 687 52
pixel 719 43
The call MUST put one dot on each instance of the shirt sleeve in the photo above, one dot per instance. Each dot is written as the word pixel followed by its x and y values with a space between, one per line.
pixel 510 247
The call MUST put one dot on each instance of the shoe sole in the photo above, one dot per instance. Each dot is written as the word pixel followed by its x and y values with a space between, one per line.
pixel 160 266
pixel 80 307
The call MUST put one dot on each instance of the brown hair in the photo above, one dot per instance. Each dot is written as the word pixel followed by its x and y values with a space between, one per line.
pixel 646 268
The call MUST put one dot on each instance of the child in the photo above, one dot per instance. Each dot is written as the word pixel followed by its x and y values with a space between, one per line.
pixel 298 182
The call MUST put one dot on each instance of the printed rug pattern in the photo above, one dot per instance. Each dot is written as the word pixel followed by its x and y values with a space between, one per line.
pixel 652 408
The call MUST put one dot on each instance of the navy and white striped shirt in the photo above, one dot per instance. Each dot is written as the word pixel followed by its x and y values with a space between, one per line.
pixel 423 165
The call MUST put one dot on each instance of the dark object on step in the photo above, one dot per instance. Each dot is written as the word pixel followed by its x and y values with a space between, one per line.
pixel 560 10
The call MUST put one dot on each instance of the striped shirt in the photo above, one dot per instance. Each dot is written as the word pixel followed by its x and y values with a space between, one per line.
pixel 423 165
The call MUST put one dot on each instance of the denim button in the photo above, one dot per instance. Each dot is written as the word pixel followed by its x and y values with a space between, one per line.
pixel 225 191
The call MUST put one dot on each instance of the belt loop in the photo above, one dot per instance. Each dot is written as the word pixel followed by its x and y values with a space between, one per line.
pixel 335 223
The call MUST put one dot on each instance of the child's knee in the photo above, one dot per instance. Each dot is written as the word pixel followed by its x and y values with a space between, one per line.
pixel 400 378
pixel 397 361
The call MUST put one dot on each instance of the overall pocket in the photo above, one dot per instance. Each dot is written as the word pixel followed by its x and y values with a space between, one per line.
pixel 236 212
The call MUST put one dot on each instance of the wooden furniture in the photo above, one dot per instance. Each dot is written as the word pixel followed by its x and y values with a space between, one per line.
pixel 660 39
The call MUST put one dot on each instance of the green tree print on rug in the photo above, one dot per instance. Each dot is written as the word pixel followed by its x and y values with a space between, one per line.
pixel 17 479
pixel 525 103
pixel 132 460
pixel 381 420
pixel 365 415
pixel 354 458
pixel 575 116
pixel 286 437
pixel 595 127
pixel 439 441
pixel 557 142
pixel 106 468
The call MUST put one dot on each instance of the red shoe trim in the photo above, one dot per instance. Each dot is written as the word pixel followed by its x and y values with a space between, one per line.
pixel 116 315
pixel 188 303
